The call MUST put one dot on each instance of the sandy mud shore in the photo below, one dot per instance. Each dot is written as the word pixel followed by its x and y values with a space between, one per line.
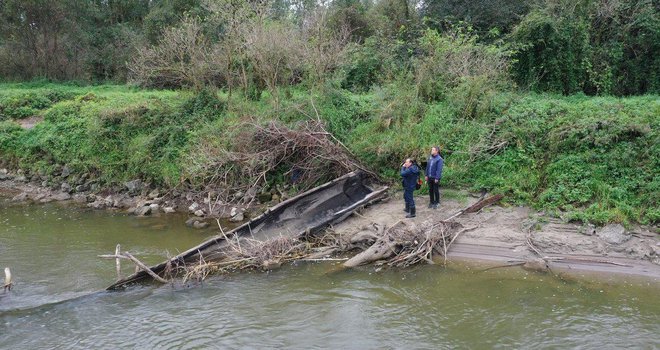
pixel 500 234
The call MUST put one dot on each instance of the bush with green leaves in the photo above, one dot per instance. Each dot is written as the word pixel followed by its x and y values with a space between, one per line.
pixel 456 58
pixel 374 62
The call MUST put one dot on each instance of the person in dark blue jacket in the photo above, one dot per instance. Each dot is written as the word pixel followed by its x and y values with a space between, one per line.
pixel 409 174
pixel 433 176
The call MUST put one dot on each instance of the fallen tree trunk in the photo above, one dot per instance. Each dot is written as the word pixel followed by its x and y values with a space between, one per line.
pixel 483 203
pixel 383 248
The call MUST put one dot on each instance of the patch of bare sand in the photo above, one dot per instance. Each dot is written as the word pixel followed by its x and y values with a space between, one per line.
pixel 501 232
pixel 30 122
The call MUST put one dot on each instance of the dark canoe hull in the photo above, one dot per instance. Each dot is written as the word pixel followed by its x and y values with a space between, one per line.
pixel 306 213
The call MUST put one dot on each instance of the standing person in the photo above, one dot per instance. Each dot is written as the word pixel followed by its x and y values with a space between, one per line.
pixel 409 174
pixel 433 176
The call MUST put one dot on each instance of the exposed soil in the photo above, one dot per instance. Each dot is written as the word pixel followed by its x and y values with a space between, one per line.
pixel 31 122
pixel 500 235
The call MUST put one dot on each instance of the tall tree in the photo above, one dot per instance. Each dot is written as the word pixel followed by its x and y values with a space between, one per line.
pixel 43 38
pixel 483 15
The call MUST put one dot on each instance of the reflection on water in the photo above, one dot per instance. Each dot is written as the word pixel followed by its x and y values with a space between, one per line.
pixel 52 251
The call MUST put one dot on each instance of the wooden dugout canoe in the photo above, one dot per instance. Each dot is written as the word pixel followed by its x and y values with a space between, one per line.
pixel 306 213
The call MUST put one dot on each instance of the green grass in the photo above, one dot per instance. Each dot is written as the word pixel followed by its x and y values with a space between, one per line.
pixel 588 159
pixel 113 132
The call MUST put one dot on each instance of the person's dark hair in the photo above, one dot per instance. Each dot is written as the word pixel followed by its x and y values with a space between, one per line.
pixel 437 148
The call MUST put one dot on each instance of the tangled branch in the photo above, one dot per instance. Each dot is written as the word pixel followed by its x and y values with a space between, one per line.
pixel 305 155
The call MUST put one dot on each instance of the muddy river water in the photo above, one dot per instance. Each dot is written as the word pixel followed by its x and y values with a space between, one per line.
pixel 57 304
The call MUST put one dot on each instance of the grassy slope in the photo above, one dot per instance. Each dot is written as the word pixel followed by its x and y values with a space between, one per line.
pixel 595 159
pixel 104 129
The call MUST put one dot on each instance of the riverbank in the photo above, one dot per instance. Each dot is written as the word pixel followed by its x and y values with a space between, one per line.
pixel 137 199
pixel 499 236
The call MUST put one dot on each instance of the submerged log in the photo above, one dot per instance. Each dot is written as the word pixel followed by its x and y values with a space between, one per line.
pixel 536 265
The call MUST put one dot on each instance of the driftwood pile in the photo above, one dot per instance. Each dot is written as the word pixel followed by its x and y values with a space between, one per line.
pixel 401 245
pixel 305 153
pixel 405 244
pixel 248 254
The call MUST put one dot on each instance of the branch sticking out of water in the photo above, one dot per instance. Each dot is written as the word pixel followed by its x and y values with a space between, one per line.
pixel 8 280
pixel 138 263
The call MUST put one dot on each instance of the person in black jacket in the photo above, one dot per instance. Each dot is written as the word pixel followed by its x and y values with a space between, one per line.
pixel 409 174
pixel 433 176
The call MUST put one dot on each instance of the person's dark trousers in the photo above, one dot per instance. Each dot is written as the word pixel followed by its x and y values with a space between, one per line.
pixel 408 198
pixel 434 191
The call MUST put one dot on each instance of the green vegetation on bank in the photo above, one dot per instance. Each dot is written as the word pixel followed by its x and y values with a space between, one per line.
pixel 592 159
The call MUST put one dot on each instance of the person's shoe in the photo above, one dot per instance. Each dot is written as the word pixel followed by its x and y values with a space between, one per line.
pixel 435 206
pixel 411 214
pixel 407 209
pixel 430 205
